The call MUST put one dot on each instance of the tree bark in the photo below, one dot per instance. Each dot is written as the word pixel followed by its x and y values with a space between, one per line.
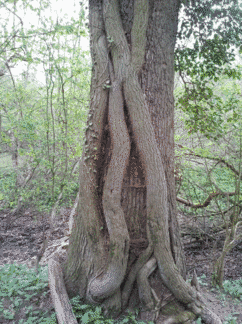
pixel 126 224
pixel 157 81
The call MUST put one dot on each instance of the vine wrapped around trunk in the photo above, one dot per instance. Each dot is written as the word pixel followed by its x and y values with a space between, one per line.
pixel 99 266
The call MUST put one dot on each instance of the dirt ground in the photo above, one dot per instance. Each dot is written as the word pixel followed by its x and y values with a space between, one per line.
pixel 21 239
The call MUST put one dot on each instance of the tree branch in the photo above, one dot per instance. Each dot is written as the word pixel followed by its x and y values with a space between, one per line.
pixel 220 160
pixel 206 202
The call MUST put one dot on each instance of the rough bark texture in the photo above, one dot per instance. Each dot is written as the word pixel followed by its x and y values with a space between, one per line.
pixel 58 293
pixel 157 81
pixel 126 229
pixel 231 237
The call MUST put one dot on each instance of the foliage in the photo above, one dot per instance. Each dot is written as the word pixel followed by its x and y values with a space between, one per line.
pixel 234 288
pixel 40 151
pixel 42 125
pixel 199 321
pixel 230 319
pixel 203 171
pixel 210 57
pixel 205 18
pixel 207 112
pixel 196 186
pixel 201 280
pixel 21 285
pixel 90 314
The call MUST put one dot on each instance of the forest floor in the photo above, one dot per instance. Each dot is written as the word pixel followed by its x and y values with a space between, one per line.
pixel 21 239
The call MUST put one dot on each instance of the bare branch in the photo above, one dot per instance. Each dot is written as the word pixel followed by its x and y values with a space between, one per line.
pixel 207 201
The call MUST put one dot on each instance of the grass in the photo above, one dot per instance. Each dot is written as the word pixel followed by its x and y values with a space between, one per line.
pixel 22 290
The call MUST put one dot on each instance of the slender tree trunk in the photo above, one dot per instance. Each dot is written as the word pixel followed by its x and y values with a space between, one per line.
pixel 126 226
pixel 231 238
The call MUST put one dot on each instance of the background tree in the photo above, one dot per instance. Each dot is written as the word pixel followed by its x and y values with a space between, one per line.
pixel 210 167
pixel 41 127
pixel 203 69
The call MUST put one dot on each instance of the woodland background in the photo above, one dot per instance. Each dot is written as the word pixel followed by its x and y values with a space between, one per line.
pixel 42 123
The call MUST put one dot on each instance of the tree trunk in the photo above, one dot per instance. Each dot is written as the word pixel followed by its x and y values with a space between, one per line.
pixel 229 243
pixel 126 227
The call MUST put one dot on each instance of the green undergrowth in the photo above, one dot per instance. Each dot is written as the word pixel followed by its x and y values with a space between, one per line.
pixel 88 314
pixel 232 288
pixel 22 289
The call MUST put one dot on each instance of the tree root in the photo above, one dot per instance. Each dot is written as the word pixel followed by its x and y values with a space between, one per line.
pixel 209 317
pixel 146 294
pixel 143 258
pixel 149 300
pixel 59 295
pixel 151 304
pixel 185 317
pixel 112 305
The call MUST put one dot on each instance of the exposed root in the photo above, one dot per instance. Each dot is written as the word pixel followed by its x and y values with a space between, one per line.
pixel 59 295
pixel 112 305
pixel 150 301
pixel 185 317
pixel 210 317
pixel 199 308
pixel 145 293
pixel 143 258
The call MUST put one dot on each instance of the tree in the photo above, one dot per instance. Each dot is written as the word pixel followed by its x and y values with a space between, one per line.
pixel 128 152
pixel 222 158
pixel 40 125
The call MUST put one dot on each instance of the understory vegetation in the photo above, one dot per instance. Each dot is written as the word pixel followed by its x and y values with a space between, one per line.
pixel 21 284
